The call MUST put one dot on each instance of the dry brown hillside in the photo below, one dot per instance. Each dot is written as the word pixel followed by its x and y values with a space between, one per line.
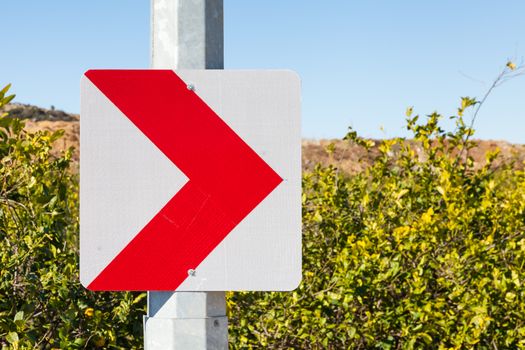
pixel 352 159
pixel 346 156
pixel 37 118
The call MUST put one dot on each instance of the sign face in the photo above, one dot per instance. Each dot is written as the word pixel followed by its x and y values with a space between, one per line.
pixel 190 180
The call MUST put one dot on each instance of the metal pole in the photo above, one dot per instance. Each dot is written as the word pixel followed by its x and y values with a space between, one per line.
pixel 186 34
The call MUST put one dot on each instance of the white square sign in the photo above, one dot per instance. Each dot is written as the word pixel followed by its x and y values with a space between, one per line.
pixel 190 180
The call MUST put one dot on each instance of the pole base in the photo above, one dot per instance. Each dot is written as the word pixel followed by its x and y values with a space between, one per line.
pixel 209 333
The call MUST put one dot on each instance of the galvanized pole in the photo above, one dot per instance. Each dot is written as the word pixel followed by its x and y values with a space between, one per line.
pixel 186 34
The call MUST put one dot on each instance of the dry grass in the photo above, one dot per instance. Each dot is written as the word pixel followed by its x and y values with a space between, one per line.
pixel 352 159
pixel 346 156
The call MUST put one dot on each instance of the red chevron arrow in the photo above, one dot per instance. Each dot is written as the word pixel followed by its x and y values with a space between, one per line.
pixel 227 179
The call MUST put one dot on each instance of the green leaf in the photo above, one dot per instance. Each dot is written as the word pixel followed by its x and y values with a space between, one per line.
pixel 8 99
pixel 12 338
pixel 19 316
pixel 5 89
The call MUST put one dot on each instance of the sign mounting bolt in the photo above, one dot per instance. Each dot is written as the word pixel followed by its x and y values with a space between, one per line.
pixel 191 87
pixel 192 272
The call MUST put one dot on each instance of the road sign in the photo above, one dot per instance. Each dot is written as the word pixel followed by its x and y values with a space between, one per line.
pixel 190 180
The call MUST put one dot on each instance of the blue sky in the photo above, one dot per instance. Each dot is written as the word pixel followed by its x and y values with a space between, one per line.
pixel 361 62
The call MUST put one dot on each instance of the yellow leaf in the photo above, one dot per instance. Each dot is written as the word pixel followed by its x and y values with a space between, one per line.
pixel 426 218
pixel 89 312
pixel 401 193
pixel 509 297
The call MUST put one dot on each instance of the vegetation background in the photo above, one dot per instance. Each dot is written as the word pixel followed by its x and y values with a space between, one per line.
pixel 420 244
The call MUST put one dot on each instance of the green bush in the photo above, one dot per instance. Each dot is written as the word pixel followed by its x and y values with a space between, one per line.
pixel 422 250
pixel 42 304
